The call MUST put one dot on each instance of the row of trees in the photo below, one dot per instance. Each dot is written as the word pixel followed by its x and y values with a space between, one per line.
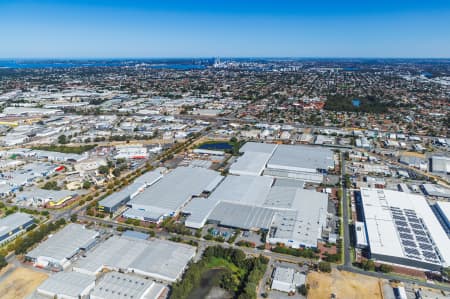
pixel 66 149
pixel 305 252
pixel 22 244
pixel 369 265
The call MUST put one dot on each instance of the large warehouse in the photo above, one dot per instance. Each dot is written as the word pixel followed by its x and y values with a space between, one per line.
pixel 13 225
pixel 114 285
pixel 110 285
pixel 172 192
pixel 292 215
pixel 254 159
pixel 114 201
pixel 57 250
pixel 301 162
pixel 402 229
pixel 443 209
pixel 68 285
pixel 158 259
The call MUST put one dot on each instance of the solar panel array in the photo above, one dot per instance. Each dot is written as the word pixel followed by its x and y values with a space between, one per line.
pixel 413 235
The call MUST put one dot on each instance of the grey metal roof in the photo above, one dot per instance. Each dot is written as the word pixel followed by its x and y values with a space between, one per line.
pixel 301 158
pixel 258 147
pixel 251 163
pixel 13 221
pixel 114 285
pixel 242 216
pixel 115 198
pixel 38 193
pixel 134 234
pixel 150 177
pixel 436 190
pixel 154 214
pixel 141 182
pixel 156 258
pixel 65 243
pixel 243 189
pixel 175 189
pixel 71 284
pixel 198 209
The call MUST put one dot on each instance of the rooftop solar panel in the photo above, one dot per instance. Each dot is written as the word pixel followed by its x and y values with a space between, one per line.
pixel 401 223
pixel 419 232
pixel 422 239
pixel 425 246
pixel 412 251
pixel 416 226
pixel 403 229
pixel 429 255
pixel 406 236
pixel 408 243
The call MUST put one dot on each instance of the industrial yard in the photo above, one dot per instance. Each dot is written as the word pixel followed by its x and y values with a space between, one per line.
pixel 344 285
pixel 21 283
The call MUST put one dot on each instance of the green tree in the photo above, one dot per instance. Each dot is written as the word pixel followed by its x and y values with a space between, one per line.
pixel 303 289
pixel 368 265
pixel 103 169
pixel 62 139
pixel 325 267
pixel 385 268
pixel 86 185
pixel 3 262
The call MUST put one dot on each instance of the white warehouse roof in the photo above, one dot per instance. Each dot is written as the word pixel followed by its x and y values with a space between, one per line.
pixel 115 285
pixel 301 158
pixel 402 226
pixel 175 189
pixel 254 160
pixel 64 244
pixel 159 259
pixel 67 285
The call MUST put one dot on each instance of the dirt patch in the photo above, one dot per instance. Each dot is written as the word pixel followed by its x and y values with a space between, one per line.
pixel 344 285
pixel 21 283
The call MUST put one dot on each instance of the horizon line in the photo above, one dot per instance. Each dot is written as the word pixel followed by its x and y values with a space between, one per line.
pixel 226 57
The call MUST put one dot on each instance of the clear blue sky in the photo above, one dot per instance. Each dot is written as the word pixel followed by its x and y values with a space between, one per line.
pixel 186 28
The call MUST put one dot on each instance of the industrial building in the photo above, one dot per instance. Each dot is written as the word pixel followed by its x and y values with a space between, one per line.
pixel 443 209
pixel 57 251
pixel 360 235
pixel 158 259
pixel 402 229
pixel 254 159
pixel 299 158
pixel 301 225
pixel 114 285
pixel 172 192
pixel 440 164
pixel 307 163
pixel 435 190
pixel 67 285
pixel 57 156
pixel 13 225
pixel 293 216
pixel 113 202
pixel 47 198
pixel 131 152
pixel 287 280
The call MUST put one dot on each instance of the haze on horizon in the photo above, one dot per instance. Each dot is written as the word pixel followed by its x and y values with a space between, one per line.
pixel 176 28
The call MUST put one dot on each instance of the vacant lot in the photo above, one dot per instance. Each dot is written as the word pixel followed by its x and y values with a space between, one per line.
pixel 21 283
pixel 343 285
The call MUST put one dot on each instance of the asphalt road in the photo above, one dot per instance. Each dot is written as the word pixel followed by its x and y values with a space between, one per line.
pixel 345 223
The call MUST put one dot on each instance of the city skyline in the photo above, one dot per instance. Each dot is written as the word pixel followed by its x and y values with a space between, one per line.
pixel 196 29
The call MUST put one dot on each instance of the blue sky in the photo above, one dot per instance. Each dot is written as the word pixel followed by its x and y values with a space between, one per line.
pixel 166 28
